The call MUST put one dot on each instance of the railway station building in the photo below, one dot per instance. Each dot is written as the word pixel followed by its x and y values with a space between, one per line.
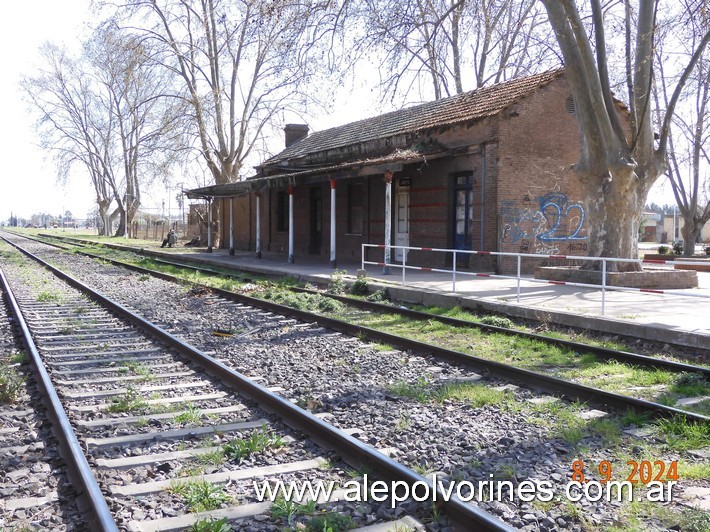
pixel 487 170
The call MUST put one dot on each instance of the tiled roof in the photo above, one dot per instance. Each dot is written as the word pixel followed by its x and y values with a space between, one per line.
pixel 483 102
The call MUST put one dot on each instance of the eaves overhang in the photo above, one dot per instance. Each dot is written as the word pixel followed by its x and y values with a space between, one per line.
pixel 351 169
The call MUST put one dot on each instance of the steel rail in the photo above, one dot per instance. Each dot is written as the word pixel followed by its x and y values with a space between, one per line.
pixel 100 517
pixel 352 450
pixel 603 352
pixel 381 308
pixel 527 378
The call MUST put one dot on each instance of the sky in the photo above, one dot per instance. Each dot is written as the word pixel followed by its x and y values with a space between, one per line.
pixel 27 178
pixel 28 182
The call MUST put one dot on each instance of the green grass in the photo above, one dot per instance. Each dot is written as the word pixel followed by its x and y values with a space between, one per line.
pixel 566 424
pixel 687 385
pixel 48 297
pixel 498 321
pixel 329 522
pixel 403 422
pixel 138 369
pixel 259 440
pixel 382 348
pixel 191 415
pixel 11 384
pixel 690 385
pixel 505 472
pixel 211 525
pixel 419 390
pixel 475 394
pixel 129 401
pixel 215 457
pixel 635 516
pixel 288 511
pixel 656 385
pixel 700 471
pixel 683 435
pixel 304 301
pixel 199 495
pixel 18 358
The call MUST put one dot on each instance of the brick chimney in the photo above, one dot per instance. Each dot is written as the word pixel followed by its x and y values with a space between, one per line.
pixel 294 133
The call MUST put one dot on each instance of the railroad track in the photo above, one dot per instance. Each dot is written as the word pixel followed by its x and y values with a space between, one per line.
pixel 33 481
pixel 195 265
pixel 503 434
pixel 599 351
pixel 146 416
pixel 541 380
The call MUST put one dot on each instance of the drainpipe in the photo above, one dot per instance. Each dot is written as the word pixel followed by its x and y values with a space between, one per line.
pixel 231 226
pixel 290 225
pixel 258 225
pixel 366 215
pixel 483 192
pixel 332 224
pixel 209 224
pixel 388 220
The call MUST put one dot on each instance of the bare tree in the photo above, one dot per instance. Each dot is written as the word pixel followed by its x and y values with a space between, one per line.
pixel 147 122
pixel 71 124
pixel 105 110
pixel 240 62
pixel 689 134
pixel 456 44
pixel 616 173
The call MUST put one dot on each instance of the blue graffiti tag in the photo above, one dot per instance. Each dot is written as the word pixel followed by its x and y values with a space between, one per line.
pixel 555 209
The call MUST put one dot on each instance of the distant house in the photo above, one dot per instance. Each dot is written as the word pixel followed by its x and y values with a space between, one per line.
pixel 650 227
pixel 486 170
pixel 671 230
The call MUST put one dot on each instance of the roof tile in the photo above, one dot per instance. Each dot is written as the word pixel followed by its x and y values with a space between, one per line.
pixel 473 105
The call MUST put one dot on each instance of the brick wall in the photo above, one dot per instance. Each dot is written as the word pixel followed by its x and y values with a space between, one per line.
pixel 541 206
pixel 525 195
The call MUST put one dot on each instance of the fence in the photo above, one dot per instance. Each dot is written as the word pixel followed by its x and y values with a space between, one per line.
pixel 519 256
pixel 158 231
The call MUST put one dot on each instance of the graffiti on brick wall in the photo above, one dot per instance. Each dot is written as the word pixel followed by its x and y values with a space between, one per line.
pixel 547 224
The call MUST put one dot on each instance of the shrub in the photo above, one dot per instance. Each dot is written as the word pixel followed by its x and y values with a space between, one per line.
pixel 359 287
pixel 337 282
pixel 10 385
pixel 662 250
pixel 497 321
pixel 377 297
pixel 678 248
pixel 303 301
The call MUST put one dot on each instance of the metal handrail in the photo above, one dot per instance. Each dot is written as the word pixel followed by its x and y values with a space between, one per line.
pixel 519 256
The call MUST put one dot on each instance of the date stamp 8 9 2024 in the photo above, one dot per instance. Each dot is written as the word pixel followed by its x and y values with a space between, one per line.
pixel 658 477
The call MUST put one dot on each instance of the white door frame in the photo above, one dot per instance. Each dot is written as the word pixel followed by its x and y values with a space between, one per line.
pixel 401 238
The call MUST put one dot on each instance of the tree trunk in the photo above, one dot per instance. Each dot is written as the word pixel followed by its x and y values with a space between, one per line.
pixel 112 217
pixel 121 230
pixel 613 218
pixel 103 216
pixel 688 233
pixel 698 233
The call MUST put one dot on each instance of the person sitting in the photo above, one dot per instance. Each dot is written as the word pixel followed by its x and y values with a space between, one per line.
pixel 170 240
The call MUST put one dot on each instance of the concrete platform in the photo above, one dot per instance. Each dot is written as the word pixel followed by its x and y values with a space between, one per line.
pixel 667 317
